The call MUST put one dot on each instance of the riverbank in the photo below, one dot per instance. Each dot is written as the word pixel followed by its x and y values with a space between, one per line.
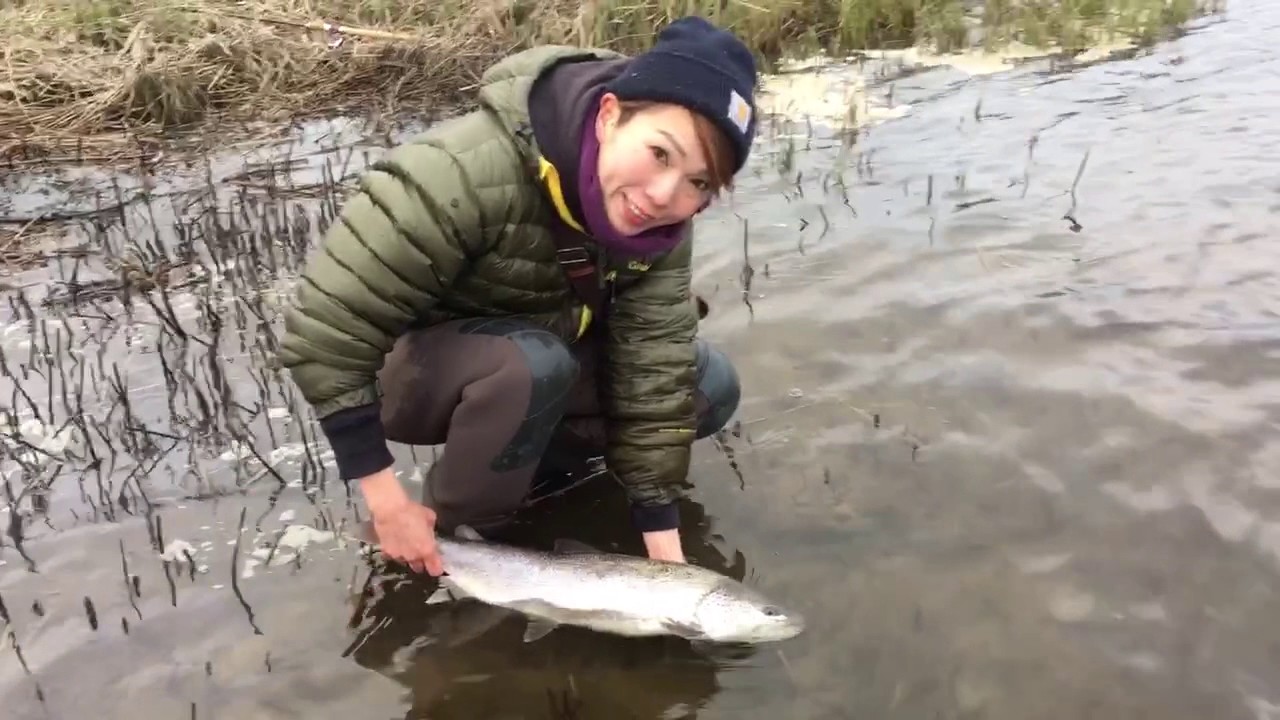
pixel 102 80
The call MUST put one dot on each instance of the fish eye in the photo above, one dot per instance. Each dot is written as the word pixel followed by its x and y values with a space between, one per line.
pixel 772 611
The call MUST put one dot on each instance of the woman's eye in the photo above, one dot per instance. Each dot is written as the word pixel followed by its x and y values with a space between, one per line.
pixel 659 153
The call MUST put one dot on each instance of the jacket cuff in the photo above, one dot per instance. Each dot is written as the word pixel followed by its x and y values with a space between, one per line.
pixel 654 518
pixel 358 441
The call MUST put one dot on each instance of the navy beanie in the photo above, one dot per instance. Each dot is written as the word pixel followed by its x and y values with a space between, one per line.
pixel 705 69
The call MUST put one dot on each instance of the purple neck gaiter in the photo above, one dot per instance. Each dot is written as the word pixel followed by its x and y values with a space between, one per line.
pixel 591 197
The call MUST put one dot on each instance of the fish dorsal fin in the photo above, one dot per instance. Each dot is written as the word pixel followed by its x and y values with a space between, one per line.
pixel 537 628
pixel 466 532
pixel 569 546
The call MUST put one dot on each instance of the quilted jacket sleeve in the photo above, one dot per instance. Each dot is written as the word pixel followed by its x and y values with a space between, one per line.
pixel 398 244
pixel 649 380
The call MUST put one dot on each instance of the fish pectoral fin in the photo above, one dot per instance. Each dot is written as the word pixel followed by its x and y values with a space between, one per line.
pixel 470 621
pixel 442 594
pixel 538 628
pixel 569 546
pixel 679 629
pixel 467 532
pixel 446 591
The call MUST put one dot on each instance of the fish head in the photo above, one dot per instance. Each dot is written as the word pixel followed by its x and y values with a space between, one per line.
pixel 733 612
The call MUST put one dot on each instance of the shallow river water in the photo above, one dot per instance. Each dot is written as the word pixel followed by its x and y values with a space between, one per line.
pixel 1008 436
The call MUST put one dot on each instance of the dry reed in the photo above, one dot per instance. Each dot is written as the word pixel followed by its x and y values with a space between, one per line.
pixel 100 77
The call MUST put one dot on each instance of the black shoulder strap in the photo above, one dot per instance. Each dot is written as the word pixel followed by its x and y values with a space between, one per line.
pixel 579 268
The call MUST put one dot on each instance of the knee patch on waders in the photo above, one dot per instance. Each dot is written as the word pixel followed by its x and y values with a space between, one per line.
pixel 718 382
pixel 553 370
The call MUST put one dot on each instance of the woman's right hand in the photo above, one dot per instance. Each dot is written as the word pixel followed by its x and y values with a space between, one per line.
pixel 405 528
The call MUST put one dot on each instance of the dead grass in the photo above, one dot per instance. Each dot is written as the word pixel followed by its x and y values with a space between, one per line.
pixel 114 74
pixel 80 68
pixel 16 243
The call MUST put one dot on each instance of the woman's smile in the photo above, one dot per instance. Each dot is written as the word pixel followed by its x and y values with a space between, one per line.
pixel 635 217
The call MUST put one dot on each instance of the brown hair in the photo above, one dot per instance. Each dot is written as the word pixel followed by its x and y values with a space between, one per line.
pixel 715 146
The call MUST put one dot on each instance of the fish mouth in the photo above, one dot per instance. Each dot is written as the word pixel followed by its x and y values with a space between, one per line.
pixel 772 633
pixel 787 626
pixel 786 631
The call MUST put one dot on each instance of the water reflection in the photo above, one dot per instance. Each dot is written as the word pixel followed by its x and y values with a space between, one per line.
pixel 464 659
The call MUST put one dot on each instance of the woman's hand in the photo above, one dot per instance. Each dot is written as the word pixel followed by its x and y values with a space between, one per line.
pixel 405 528
pixel 664 545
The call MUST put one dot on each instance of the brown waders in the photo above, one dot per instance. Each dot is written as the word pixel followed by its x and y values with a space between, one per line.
pixel 510 401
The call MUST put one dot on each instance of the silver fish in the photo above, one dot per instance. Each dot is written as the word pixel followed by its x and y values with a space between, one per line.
pixel 608 592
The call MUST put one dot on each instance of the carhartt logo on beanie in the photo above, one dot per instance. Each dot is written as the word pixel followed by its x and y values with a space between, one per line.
pixel 706 69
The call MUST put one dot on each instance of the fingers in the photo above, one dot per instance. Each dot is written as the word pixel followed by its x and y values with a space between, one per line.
pixel 423 562
pixel 434 566
pixel 430 565
pixel 409 539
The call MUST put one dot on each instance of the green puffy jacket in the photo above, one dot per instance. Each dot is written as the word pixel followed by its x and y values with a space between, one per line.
pixel 457 223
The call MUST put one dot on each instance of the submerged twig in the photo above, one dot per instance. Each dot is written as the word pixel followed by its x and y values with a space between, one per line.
pixel 235 575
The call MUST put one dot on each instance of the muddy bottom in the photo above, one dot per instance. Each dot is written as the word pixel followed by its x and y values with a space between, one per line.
pixel 1008 434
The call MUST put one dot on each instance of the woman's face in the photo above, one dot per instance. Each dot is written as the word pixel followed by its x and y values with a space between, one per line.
pixel 652 168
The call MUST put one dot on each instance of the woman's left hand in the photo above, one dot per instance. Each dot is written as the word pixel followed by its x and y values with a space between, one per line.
pixel 664 545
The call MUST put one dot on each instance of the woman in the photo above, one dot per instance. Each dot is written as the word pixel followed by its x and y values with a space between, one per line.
pixel 523 272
